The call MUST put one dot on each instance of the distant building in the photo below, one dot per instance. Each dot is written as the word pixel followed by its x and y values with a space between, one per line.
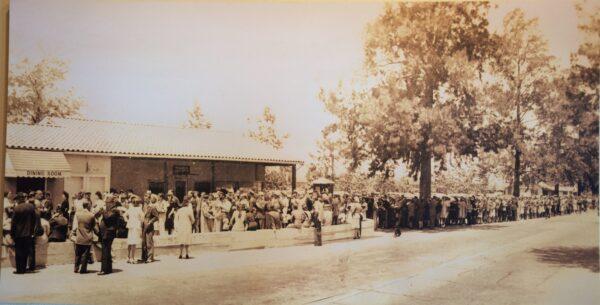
pixel 89 155
pixel 544 188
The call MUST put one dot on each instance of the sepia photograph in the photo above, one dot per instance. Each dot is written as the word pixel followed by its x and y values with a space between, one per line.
pixel 300 152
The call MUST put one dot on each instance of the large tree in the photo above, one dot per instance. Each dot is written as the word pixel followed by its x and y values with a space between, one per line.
pixel 266 132
pixel 349 134
pixel 521 70
pixel 34 93
pixel 424 61
pixel 325 157
pixel 276 177
pixel 556 155
pixel 196 118
pixel 583 92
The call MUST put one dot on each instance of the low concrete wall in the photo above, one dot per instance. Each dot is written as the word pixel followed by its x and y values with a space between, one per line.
pixel 63 253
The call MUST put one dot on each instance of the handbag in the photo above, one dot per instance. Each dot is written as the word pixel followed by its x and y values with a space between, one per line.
pixel 39 231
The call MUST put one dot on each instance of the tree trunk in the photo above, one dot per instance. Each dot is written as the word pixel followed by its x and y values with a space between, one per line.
pixel 425 179
pixel 517 178
pixel 593 184
pixel 556 189
pixel 580 187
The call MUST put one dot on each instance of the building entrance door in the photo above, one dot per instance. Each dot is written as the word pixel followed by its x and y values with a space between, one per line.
pixel 180 189
pixel 27 185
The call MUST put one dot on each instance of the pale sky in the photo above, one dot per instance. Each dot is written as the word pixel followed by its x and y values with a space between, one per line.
pixel 148 61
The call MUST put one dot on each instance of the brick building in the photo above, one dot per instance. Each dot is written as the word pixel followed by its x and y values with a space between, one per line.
pixel 88 155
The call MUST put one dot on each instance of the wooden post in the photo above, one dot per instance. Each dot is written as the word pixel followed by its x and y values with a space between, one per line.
pixel 294 177
pixel 4 4
pixel 212 176
pixel 165 179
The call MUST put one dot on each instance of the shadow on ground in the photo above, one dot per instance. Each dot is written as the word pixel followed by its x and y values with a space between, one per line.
pixel 571 257
pixel 451 228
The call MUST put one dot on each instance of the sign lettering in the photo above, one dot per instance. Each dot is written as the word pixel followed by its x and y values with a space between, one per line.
pixel 43 173
pixel 35 172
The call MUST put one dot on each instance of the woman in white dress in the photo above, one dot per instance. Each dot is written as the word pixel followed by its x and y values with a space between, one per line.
pixel 206 217
pixel 238 219
pixel 134 217
pixel 444 211
pixel 355 213
pixel 161 207
pixel 184 219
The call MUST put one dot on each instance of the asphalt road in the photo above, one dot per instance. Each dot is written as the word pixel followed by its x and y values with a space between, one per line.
pixel 541 261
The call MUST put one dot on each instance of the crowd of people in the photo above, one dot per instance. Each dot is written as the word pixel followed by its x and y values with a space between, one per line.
pixel 99 218
pixel 410 212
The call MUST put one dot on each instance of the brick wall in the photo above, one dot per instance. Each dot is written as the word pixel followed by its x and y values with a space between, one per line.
pixel 136 173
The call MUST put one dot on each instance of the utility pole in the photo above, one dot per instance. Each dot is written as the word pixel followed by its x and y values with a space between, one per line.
pixel 4 7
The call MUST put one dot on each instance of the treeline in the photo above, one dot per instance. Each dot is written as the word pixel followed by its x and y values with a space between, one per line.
pixel 444 87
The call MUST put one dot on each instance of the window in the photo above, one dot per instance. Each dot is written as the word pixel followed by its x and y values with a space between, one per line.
pixel 156 187
pixel 181 170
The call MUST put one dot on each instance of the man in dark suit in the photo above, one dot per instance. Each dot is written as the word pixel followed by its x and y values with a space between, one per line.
pixel 84 229
pixel 22 231
pixel 58 227
pixel 37 231
pixel 108 232
pixel 150 217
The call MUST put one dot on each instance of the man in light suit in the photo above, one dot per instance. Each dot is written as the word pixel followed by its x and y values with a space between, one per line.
pixel 84 235
pixel 150 217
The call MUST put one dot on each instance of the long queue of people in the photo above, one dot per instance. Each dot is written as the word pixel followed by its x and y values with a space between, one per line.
pixel 99 218
pixel 407 212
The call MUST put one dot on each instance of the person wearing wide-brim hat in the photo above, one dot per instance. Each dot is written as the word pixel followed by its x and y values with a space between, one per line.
pixel 184 219
pixel 173 205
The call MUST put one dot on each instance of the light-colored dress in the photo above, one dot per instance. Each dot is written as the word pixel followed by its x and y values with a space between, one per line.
pixel 238 219
pixel 217 211
pixel 184 218
pixel 355 211
pixel 135 215
pixel 462 209
pixel 445 205
pixel 205 217
pixel 161 208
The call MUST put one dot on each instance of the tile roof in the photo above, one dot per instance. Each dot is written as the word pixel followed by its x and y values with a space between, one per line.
pixel 138 140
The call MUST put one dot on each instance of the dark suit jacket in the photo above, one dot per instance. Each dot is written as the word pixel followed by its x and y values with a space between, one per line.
pixel 23 221
pixel 58 228
pixel 150 217
pixel 110 224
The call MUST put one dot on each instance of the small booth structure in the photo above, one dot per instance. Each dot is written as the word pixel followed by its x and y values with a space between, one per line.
pixel 323 185
pixel 546 189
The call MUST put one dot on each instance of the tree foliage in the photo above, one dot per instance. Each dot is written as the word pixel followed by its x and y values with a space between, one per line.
pixel 323 161
pixel 266 132
pixel 583 83
pixel 425 62
pixel 34 93
pixel 556 155
pixel 521 72
pixel 277 178
pixel 196 118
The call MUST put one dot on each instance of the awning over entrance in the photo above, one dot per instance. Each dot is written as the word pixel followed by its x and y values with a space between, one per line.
pixel 35 163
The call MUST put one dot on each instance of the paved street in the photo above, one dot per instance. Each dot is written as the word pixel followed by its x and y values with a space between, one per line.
pixel 542 261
